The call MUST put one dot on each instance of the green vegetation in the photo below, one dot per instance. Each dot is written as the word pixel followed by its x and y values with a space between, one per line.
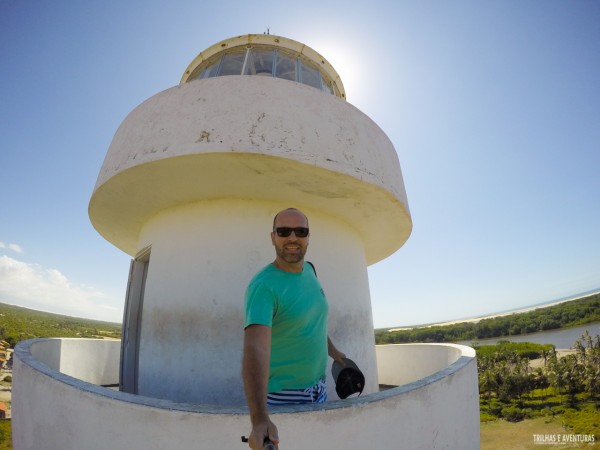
pixel 568 314
pixel 504 350
pixel 512 389
pixel 5 434
pixel 18 324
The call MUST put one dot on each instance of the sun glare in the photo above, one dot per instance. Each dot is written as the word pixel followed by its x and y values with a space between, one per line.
pixel 346 60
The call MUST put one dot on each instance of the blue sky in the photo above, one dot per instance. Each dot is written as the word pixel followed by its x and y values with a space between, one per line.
pixel 493 108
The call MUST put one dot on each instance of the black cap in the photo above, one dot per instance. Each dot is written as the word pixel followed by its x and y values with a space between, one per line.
pixel 348 379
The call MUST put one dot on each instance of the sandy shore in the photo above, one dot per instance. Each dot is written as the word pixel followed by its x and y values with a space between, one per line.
pixel 535 363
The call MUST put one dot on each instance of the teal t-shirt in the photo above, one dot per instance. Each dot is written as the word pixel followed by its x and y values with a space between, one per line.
pixel 295 307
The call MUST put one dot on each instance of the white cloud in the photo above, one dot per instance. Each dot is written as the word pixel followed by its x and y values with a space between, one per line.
pixel 33 286
pixel 14 247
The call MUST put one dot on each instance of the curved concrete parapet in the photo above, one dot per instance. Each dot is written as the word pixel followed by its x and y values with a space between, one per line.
pixel 52 409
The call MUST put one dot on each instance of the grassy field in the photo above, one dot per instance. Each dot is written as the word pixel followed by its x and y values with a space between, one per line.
pixel 502 435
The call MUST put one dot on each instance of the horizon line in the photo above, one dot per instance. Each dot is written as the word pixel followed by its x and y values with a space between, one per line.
pixel 509 312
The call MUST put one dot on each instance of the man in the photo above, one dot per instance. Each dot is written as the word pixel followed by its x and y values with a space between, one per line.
pixel 285 337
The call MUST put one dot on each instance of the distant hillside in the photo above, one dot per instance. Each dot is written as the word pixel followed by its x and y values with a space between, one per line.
pixel 18 324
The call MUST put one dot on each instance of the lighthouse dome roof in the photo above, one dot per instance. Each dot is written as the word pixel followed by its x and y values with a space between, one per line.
pixel 266 55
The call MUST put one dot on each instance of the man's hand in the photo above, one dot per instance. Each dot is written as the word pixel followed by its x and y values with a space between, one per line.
pixel 262 431
pixel 335 353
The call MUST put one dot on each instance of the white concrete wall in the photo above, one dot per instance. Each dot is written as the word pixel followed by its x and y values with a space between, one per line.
pixel 53 411
pixel 414 365
pixel 202 258
pixel 95 361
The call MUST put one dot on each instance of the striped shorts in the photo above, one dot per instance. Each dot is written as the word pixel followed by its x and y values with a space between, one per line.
pixel 312 394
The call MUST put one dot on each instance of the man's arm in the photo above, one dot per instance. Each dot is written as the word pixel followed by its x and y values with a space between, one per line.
pixel 255 373
pixel 334 352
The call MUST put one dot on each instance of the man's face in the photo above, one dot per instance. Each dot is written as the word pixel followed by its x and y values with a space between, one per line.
pixel 290 249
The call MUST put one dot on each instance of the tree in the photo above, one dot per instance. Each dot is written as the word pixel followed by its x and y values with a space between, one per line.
pixel 580 349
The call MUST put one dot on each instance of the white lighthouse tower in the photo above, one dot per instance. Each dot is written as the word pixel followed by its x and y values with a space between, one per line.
pixel 189 187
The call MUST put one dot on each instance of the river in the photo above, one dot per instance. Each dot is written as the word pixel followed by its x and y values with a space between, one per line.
pixel 562 338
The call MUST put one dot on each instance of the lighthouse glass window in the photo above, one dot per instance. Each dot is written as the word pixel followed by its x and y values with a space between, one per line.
pixel 232 63
pixel 259 62
pixel 310 76
pixel 286 66
pixel 265 61
pixel 210 71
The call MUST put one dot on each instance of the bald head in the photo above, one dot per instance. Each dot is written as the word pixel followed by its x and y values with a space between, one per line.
pixel 286 212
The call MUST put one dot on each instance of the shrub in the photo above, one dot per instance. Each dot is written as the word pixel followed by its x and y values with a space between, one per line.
pixel 547 412
pixel 584 421
pixel 495 407
pixel 513 414
pixel 485 417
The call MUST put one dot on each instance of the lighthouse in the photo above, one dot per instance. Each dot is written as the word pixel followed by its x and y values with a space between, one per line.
pixel 190 185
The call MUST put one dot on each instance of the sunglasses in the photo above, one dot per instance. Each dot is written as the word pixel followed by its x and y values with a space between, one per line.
pixel 300 232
